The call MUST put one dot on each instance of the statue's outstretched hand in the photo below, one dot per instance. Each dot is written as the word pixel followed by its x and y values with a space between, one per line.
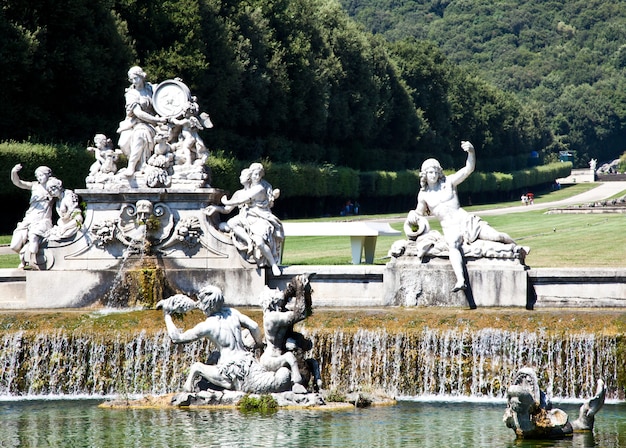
pixel 177 304
pixel 467 146
pixel 16 168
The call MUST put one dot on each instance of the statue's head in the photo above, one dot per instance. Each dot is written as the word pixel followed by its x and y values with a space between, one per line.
pixel 100 140
pixel 431 164
pixel 43 173
pixel 211 299
pixel 136 71
pixel 144 209
pixel 244 176
pixel 54 187
pixel 271 299
pixel 257 171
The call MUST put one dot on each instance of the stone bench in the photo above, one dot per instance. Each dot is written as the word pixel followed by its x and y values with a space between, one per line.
pixel 363 235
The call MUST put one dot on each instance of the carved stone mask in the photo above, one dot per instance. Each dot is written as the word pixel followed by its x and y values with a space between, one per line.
pixel 144 209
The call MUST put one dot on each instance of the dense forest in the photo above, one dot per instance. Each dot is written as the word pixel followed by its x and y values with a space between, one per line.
pixel 299 80
pixel 564 59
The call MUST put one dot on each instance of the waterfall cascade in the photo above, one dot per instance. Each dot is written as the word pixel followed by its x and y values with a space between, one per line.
pixel 456 363
pixel 464 363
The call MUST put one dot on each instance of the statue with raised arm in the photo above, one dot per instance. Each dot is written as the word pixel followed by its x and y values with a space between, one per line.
pixel 138 129
pixel 438 197
pixel 31 231
pixel 256 230
pixel 531 415
pixel 284 347
pixel 234 366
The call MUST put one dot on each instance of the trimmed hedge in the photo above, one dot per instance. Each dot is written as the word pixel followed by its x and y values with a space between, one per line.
pixel 71 165
pixel 68 163
pixel 297 180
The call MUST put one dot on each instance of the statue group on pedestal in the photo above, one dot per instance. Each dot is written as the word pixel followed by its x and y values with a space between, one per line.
pixel 159 137
pixel 234 366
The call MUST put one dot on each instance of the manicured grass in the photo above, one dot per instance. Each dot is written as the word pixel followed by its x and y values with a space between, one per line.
pixel 556 240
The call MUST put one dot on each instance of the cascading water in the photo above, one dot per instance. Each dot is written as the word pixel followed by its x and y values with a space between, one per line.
pixel 59 363
pixel 455 363
pixel 464 363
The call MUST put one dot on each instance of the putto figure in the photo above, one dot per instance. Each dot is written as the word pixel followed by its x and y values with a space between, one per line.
pixel 67 208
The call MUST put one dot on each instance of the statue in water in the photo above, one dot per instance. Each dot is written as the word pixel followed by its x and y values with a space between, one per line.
pixel 531 415
pixel 234 365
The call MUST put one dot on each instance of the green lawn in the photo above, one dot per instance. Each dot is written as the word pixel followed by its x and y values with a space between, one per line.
pixel 556 240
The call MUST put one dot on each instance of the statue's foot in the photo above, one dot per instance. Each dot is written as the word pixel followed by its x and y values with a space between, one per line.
pixel 276 270
pixel 298 388
pixel 459 286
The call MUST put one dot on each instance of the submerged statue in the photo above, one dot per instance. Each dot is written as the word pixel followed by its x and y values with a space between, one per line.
pixel 531 415
pixel 255 230
pixel 464 234
pixel 235 336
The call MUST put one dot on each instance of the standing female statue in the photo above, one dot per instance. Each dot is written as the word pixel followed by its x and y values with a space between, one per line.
pixel 138 129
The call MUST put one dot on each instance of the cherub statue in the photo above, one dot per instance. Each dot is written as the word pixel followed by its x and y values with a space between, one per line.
pixel 67 207
pixel 190 148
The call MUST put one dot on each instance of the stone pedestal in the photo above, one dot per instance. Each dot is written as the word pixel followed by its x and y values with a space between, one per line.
pixel 409 281
pixel 123 229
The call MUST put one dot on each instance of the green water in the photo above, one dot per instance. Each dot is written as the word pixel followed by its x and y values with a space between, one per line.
pixel 408 424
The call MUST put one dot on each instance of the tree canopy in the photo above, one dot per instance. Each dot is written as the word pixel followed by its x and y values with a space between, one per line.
pixel 564 59
pixel 284 80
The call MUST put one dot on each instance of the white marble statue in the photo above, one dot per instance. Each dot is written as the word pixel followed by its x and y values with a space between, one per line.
pixel 531 415
pixel 235 366
pixel 105 165
pixel 159 170
pixel 222 327
pixel 284 347
pixel 138 128
pixel 32 230
pixel 256 231
pixel 438 197
pixel 188 144
pixel 67 208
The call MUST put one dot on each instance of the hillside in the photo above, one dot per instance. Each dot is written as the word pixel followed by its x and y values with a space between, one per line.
pixel 568 57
